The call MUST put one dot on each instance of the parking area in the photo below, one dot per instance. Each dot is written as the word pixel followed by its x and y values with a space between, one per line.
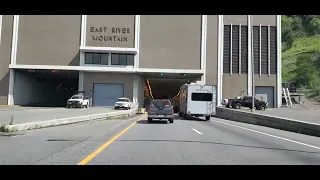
pixel 21 108
pixel 306 115
pixel 21 115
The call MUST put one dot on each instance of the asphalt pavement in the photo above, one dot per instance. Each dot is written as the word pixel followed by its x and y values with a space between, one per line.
pixel 184 142
pixel 42 114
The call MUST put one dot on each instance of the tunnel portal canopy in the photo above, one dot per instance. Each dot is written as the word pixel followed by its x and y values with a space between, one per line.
pixel 167 85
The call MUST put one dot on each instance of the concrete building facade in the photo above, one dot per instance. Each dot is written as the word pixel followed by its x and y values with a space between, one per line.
pixel 115 53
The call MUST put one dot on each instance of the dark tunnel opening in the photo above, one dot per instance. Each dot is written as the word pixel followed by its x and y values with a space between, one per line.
pixel 44 88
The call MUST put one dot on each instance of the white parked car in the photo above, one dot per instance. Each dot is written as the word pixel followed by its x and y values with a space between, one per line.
pixel 78 101
pixel 123 103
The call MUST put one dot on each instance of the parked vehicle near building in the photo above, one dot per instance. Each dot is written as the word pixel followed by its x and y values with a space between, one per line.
pixel 246 101
pixel 123 103
pixel 78 101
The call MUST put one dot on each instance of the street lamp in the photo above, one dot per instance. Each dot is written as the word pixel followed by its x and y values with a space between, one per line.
pixel 252 61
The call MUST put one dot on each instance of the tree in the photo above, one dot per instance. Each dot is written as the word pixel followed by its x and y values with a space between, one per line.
pixel 307 72
pixel 314 26
pixel 287 32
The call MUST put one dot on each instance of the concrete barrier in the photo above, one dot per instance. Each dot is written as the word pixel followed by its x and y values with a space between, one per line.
pixel 281 123
pixel 63 121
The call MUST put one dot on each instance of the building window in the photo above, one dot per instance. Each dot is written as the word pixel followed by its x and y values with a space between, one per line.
pixel 104 58
pixel 244 49
pixel 122 59
pixel 235 50
pixel 96 58
pixel 256 48
pixel 273 50
pixel 265 49
pixel 226 49
pixel 88 58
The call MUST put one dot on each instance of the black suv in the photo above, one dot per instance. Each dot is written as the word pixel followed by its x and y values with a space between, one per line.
pixel 246 101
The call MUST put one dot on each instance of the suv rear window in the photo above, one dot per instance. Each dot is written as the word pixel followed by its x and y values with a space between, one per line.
pixel 123 100
pixel 158 103
pixel 76 97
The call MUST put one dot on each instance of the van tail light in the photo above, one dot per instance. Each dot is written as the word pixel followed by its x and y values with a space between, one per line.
pixel 166 105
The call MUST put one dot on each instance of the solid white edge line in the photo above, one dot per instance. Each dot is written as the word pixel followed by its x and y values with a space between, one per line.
pixel 196 131
pixel 285 139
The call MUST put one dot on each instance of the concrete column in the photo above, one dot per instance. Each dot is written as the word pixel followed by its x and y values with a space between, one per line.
pixel 80 85
pixel 11 87
pixel 135 90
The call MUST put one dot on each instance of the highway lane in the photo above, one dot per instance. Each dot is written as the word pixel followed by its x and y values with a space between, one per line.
pixel 35 115
pixel 183 142
pixel 194 142
pixel 57 145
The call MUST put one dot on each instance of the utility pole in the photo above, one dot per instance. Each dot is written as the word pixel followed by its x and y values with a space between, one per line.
pixel 252 63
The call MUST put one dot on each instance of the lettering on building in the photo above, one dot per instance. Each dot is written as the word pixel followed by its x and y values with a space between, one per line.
pixel 110 34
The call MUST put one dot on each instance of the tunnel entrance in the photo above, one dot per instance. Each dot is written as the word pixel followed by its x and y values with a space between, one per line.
pixel 166 86
pixel 44 88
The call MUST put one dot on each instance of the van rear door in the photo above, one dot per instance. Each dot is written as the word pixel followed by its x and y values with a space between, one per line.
pixel 200 103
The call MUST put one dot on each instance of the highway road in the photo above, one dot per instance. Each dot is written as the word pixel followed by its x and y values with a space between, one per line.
pixel 134 141
pixel 34 115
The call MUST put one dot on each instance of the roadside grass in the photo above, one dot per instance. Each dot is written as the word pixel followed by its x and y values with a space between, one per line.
pixel 5 131
pixel 305 47
pixel 302 46
pixel 4 128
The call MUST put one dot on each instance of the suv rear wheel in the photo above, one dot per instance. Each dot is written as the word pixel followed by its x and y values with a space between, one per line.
pixel 171 120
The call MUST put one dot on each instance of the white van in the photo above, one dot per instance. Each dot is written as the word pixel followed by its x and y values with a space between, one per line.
pixel 197 100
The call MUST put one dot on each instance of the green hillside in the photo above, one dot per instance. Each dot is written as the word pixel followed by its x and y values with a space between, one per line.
pixel 301 52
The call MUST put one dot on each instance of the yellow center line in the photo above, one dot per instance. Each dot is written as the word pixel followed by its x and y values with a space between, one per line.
pixel 106 144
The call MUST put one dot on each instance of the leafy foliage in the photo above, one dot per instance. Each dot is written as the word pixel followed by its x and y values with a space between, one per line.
pixel 301 51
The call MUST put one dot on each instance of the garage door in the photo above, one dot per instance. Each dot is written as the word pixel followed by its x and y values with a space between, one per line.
pixel 266 93
pixel 106 94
